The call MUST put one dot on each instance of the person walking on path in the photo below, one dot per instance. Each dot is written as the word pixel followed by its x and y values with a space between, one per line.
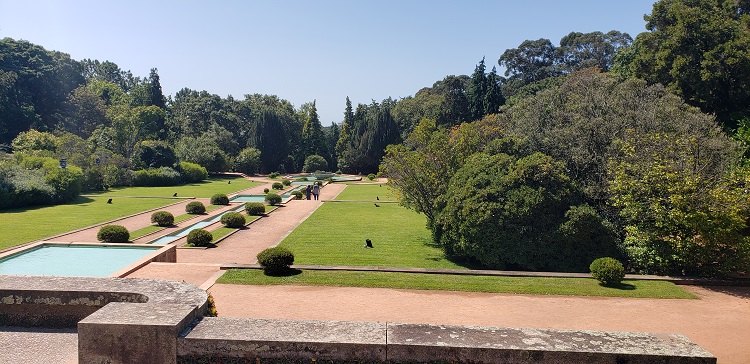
pixel 308 190
pixel 316 190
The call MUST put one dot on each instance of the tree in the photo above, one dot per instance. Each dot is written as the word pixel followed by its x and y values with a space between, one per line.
pixel 34 140
pixel 315 163
pixel 532 61
pixel 247 161
pixel 86 111
pixel 455 107
pixel 595 49
pixel 700 50
pixel 493 98
pixel 476 92
pixel 154 154
pixel 313 140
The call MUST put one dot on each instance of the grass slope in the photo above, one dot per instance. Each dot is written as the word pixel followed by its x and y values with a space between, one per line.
pixel 208 188
pixel 446 282
pixel 354 192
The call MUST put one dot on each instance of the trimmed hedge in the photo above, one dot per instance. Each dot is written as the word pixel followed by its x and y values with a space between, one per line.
pixel 219 199
pixel 199 237
pixel 286 182
pixel 298 194
pixel 233 220
pixel 277 186
pixel 195 208
pixel 273 199
pixel 608 271
pixel 275 261
pixel 255 208
pixel 162 176
pixel 113 234
pixel 192 172
pixel 162 218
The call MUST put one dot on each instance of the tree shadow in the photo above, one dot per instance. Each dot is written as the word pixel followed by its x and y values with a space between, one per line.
pixel 80 200
pixel 288 273
pixel 735 291
pixel 620 286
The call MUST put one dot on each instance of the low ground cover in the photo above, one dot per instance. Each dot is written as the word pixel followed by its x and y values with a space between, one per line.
pixel 23 225
pixel 448 282
pixel 335 235
pixel 367 192
pixel 206 189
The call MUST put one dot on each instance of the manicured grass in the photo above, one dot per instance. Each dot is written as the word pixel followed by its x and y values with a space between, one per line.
pixel 208 188
pixel 335 235
pixel 361 192
pixel 143 231
pixel 180 218
pixel 446 282
pixel 221 232
pixel 23 225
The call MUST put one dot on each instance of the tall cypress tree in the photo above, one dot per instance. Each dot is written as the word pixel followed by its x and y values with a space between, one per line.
pixel 476 91
pixel 312 133
pixel 493 98
pixel 345 134
pixel 156 98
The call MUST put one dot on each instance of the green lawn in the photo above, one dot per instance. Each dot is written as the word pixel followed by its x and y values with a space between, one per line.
pixel 143 231
pixel 447 282
pixel 214 185
pixel 355 192
pixel 23 225
pixel 335 235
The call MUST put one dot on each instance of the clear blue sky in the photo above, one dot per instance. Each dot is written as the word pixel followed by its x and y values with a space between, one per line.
pixel 302 50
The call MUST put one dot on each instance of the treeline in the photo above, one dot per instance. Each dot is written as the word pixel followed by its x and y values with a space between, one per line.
pixel 642 157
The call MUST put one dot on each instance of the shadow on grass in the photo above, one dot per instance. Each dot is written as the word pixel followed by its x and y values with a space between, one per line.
pixel 288 273
pixel 620 286
pixel 80 200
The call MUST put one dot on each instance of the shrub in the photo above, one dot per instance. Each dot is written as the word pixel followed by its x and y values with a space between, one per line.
pixel 192 172
pixel 162 218
pixel 301 179
pixel 195 208
pixel 199 237
pixel 286 182
pixel 273 175
pixel 233 220
pixel 265 190
pixel 255 208
pixel 162 176
pixel 275 261
pixel 273 199
pixel 298 194
pixel 219 199
pixel 314 163
pixel 278 186
pixel 371 177
pixel 113 234
pixel 608 271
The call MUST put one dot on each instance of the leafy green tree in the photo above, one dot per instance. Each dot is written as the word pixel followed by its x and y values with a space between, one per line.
pixel 700 50
pixel 313 140
pixel 34 140
pixel 204 151
pixel 315 163
pixel 154 154
pixel 86 111
pixel 532 61
pixel 595 49
pixel 247 161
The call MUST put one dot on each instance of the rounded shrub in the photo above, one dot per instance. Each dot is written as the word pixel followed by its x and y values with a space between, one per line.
pixel 273 174
pixel 277 186
pixel 162 218
pixel 233 220
pixel 265 190
pixel 276 260
pixel 287 182
pixel 273 199
pixel 255 208
pixel 192 172
pixel 298 194
pixel 608 271
pixel 219 199
pixel 113 234
pixel 195 208
pixel 199 237
pixel 371 177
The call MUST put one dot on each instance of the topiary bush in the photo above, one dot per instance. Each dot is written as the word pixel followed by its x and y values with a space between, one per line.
pixel 286 182
pixel 608 271
pixel 273 199
pixel 298 194
pixel 219 199
pixel 162 218
pixel 195 208
pixel 278 186
pixel 265 190
pixel 199 237
pixel 192 172
pixel 273 174
pixel 255 208
pixel 371 177
pixel 233 220
pixel 113 234
pixel 275 261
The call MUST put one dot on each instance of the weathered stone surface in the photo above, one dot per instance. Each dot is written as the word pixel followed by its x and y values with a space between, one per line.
pixel 289 340
pixel 133 333
pixel 424 343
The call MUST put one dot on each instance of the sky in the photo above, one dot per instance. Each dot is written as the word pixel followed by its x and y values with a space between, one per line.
pixel 323 50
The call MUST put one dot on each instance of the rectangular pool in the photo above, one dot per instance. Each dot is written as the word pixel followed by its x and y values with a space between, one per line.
pixel 73 260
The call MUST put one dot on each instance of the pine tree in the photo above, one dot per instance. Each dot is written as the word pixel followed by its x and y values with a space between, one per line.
pixel 476 91
pixel 493 98
pixel 313 139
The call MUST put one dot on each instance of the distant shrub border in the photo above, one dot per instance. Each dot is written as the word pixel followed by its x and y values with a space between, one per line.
pixel 195 208
pixel 255 208
pixel 275 261
pixel 219 199
pixel 233 220
pixel 113 234
pixel 608 271
pixel 162 218
pixel 199 237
